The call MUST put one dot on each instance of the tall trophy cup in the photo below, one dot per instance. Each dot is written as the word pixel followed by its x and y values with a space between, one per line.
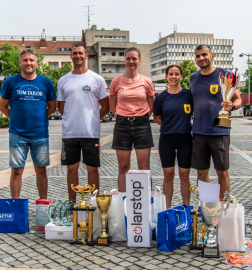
pixel 83 190
pixel 195 216
pixel 103 203
pixel 228 84
pixel 211 213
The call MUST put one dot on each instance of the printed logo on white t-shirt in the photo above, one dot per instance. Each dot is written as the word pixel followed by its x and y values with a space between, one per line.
pixel 86 88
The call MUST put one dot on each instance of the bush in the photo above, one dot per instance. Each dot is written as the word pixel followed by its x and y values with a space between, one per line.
pixel 4 122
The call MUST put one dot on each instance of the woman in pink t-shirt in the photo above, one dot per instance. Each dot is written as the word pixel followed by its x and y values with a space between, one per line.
pixel 131 101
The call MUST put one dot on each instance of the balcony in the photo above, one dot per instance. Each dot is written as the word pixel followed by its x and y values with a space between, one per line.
pixel 118 60
pixel 110 75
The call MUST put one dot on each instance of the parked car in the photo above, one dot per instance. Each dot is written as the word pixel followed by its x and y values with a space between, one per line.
pixel 55 116
pixel 237 113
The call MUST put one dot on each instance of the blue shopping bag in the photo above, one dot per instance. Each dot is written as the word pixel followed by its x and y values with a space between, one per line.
pixel 14 216
pixel 174 228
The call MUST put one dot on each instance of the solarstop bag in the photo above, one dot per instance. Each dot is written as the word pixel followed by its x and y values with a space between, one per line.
pixel 97 226
pixel 158 204
pixel 174 228
pixel 231 229
pixel 116 218
pixel 14 215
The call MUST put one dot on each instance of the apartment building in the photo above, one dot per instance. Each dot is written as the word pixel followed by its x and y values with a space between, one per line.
pixel 110 46
pixel 177 47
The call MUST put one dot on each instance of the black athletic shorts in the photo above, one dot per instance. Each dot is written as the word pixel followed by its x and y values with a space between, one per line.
pixel 71 151
pixel 205 146
pixel 130 131
pixel 169 143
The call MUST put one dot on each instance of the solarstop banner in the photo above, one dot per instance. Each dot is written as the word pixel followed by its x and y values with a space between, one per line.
pixel 138 202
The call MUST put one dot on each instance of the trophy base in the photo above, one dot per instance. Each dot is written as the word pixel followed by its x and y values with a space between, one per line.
pixel 222 123
pixel 104 241
pixel 89 243
pixel 208 252
pixel 198 246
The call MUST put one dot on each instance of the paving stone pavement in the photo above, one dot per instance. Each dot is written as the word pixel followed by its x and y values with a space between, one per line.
pixel 33 251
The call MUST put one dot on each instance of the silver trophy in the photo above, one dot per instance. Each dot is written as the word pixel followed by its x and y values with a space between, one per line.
pixel 211 213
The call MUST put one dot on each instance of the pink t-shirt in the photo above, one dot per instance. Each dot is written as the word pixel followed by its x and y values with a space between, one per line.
pixel 132 97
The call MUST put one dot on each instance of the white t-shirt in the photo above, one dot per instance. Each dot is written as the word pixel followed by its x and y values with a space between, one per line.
pixel 81 93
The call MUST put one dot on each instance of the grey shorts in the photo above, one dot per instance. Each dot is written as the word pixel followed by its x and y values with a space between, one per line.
pixel 205 146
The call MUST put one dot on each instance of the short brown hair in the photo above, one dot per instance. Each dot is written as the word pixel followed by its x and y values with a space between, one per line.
pixel 176 66
pixel 79 45
pixel 133 49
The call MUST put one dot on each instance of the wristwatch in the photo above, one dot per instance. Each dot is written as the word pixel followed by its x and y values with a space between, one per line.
pixel 233 107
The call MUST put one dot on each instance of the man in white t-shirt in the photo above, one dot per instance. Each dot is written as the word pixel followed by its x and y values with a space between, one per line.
pixel 82 102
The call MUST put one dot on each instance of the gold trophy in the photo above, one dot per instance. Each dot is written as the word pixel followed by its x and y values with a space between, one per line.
pixel 195 216
pixel 228 84
pixel 103 203
pixel 83 190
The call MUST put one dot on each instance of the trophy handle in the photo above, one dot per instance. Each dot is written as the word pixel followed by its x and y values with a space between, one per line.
pixel 92 188
pixel 226 196
pixel 72 187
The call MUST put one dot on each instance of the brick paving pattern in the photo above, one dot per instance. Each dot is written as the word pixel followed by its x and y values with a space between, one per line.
pixel 33 251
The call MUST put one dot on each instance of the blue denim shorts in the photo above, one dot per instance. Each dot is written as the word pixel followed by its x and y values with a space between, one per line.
pixel 19 147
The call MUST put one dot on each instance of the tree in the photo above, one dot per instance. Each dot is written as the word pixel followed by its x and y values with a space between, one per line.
pixel 188 68
pixel 9 60
pixel 9 64
pixel 246 75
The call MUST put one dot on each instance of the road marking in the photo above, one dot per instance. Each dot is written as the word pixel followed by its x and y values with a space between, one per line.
pixel 55 159
pixel 241 153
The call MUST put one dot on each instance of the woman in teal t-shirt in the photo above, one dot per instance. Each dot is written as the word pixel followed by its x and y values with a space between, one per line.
pixel 172 111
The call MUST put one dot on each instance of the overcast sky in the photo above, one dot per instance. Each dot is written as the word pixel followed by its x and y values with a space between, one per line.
pixel 143 18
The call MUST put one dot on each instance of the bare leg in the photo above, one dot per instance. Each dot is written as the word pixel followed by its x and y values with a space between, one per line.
pixel 123 157
pixel 224 181
pixel 16 182
pixel 184 175
pixel 169 174
pixel 143 159
pixel 42 181
pixel 203 175
pixel 72 178
pixel 93 177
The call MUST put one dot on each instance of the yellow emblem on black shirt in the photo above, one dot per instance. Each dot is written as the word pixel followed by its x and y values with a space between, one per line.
pixel 187 108
pixel 214 88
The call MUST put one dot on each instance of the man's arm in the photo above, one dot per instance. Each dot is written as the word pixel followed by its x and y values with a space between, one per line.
pixel 4 107
pixel 113 101
pixel 104 106
pixel 51 107
pixel 236 100
pixel 150 100
pixel 157 119
pixel 61 105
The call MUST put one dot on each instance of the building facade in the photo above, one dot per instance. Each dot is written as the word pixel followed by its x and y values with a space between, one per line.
pixel 110 46
pixel 177 47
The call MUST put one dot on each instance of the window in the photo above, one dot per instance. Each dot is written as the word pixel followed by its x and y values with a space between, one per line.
pixel 64 63
pixel 103 68
pixel 54 64
pixel 153 65
pixel 113 54
pixel 158 57
pixel 230 55
pixel 27 46
pixel 158 49
pixel 121 52
pixel 183 54
pixel 153 73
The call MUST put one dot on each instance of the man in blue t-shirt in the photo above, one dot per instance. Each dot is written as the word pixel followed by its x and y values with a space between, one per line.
pixel 28 99
pixel 207 100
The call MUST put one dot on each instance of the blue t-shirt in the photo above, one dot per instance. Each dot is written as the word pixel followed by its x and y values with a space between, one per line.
pixel 207 101
pixel 175 111
pixel 28 101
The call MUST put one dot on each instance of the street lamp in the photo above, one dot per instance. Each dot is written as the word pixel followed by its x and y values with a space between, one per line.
pixel 248 55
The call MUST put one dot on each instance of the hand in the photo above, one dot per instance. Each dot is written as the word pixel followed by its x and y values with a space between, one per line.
pixel 227 105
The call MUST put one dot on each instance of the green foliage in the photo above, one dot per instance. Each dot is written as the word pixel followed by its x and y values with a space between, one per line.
pixel 9 64
pixel 188 68
pixel 247 106
pixel 9 60
pixel 4 122
pixel 246 75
